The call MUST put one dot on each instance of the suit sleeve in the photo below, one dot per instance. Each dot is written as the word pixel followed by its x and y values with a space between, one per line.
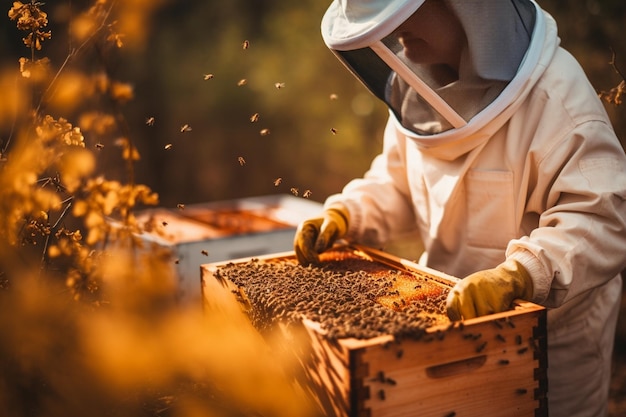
pixel 580 197
pixel 379 202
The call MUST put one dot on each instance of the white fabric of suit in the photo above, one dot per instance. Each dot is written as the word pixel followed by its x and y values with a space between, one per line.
pixel 541 178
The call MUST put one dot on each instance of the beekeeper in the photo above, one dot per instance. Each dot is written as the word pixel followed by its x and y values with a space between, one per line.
pixel 500 154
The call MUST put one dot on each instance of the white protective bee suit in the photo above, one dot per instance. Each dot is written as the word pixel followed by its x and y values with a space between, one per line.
pixel 515 159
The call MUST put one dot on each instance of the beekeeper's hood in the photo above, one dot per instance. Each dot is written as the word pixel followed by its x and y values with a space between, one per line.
pixel 436 63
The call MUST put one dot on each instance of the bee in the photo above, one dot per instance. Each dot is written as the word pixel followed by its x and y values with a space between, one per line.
pixel 164 223
pixel 503 362
pixel 521 391
pixel 294 191
pixel 451 414
pixel 254 118
pixel 205 253
pixel 277 181
pixel 150 121
pixel 242 82
pixel 380 377
pixel 381 394
pixel 500 338
pixel 99 146
pixel 390 381
pixel 185 128
pixel 333 130
pixel 481 347
pixel 264 132
pixel 279 85
pixel 168 146
pixel 241 160
pixel 334 96
pixel 208 77
pixel 177 261
pixel 180 206
pixel 307 193
pixel 246 44
pixel 399 354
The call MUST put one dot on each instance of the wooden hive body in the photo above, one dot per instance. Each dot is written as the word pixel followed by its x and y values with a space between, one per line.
pixel 488 366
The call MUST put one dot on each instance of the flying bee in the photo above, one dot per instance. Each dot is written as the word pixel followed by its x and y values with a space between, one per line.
pixel 242 82
pixel 254 118
pixel 150 121
pixel 207 76
pixel 294 191
pixel 333 130
pixel 246 44
pixel 307 193
pixel 185 128
pixel 277 181
pixel 205 253
pixel 241 160
pixel 164 223
pixel 279 85
pixel 264 132
pixel 99 146
pixel 168 146
pixel 180 206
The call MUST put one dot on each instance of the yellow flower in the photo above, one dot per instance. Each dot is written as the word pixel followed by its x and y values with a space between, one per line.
pixel 121 92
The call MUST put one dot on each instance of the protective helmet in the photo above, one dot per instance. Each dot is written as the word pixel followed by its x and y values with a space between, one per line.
pixel 436 63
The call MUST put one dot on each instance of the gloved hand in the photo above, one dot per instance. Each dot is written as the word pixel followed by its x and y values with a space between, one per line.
pixel 489 291
pixel 318 234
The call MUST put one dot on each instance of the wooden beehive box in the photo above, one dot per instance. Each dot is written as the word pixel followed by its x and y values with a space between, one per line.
pixel 222 230
pixel 488 366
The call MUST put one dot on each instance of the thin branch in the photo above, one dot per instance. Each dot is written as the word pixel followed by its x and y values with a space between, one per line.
pixel 54 227
pixel 614 65
pixel 74 52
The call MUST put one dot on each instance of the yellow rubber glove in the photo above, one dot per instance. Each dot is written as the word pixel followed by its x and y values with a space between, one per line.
pixel 489 291
pixel 318 234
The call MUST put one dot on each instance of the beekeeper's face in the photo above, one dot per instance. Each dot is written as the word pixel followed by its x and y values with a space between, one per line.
pixel 432 35
pixel 437 64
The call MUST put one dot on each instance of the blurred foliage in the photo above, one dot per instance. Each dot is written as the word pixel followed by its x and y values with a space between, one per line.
pixel 89 315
